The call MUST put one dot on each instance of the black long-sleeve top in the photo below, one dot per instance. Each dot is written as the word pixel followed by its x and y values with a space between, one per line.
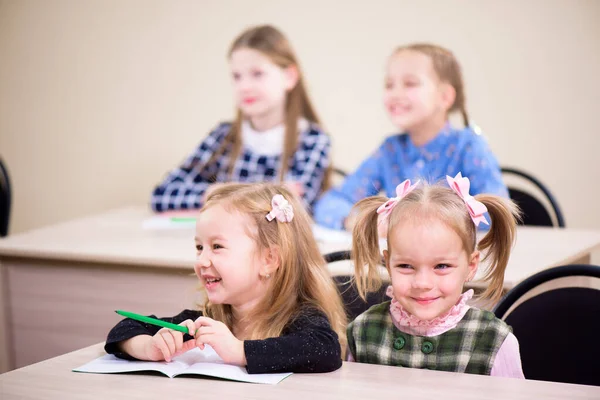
pixel 307 343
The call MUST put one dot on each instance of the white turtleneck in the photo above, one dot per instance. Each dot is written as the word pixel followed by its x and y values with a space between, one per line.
pixel 269 142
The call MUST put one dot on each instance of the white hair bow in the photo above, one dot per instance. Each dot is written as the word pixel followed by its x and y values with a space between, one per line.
pixel 281 209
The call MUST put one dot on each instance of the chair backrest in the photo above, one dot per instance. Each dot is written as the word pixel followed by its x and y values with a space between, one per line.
pixel 340 172
pixel 534 211
pixel 353 303
pixel 557 326
pixel 5 199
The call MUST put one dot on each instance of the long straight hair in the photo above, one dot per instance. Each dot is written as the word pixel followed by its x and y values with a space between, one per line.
pixel 270 42
pixel 302 277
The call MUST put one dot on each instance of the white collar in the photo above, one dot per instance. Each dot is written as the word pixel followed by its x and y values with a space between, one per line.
pixel 269 142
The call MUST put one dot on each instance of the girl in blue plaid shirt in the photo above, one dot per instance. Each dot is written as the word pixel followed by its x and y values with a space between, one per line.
pixel 423 86
pixel 275 136
pixel 431 252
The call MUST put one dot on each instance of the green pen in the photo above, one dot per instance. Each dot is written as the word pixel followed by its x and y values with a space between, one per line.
pixel 152 321
pixel 183 219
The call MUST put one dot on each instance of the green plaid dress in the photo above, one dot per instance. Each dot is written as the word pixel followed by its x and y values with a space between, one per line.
pixel 470 347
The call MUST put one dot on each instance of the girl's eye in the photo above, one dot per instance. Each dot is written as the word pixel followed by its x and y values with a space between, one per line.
pixel 199 247
pixel 217 246
pixel 389 85
pixel 403 266
pixel 442 266
pixel 236 77
pixel 257 74
pixel 411 83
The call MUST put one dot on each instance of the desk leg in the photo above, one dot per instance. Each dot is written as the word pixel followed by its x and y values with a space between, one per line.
pixel 6 349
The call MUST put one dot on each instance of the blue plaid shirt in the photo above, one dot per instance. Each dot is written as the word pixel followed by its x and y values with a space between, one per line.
pixel 184 187
pixel 397 159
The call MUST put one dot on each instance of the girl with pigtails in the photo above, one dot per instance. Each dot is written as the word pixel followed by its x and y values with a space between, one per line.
pixel 432 251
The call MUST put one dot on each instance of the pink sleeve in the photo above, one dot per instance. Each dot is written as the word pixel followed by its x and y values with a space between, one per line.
pixel 508 359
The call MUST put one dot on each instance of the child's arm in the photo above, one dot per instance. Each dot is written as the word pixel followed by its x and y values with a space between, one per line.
pixel 508 359
pixel 481 167
pixel 136 334
pixel 310 164
pixel 184 186
pixel 308 344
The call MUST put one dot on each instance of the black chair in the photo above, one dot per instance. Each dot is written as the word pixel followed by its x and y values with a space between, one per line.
pixel 557 326
pixel 534 211
pixel 5 199
pixel 353 303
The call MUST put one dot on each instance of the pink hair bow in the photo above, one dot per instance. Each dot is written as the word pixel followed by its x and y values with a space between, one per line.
pixel 281 209
pixel 476 208
pixel 402 190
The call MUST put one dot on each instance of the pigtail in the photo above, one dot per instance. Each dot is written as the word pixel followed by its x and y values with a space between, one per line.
pixel 498 242
pixel 465 115
pixel 365 245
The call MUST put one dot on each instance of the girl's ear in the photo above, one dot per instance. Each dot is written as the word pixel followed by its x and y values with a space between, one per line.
pixel 447 95
pixel 473 265
pixel 292 76
pixel 270 262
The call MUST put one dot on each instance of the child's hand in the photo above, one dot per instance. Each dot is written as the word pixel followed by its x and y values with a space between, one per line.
pixel 219 337
pixel 168 343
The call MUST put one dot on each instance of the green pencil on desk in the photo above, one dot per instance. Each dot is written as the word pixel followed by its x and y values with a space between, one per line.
pixel 152 321
pixel 183 219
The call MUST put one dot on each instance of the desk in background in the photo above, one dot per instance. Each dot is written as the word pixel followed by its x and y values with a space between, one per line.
pixel 60 284
pixel 53 379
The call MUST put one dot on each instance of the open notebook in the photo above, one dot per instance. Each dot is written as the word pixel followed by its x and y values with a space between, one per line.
pixel 194 362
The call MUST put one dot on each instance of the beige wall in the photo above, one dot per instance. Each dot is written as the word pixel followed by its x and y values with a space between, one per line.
pixel 98 99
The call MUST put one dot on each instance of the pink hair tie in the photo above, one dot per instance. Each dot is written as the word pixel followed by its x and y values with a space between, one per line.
pixel 402 190
pixel 281 209
pixel 476 208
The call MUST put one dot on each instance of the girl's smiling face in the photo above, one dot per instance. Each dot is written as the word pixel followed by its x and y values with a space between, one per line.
pixel 428 266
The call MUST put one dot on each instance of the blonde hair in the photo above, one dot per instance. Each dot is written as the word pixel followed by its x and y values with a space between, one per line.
pixel 302 277
pixel 269 41
pixel 443 203
pixel 447 68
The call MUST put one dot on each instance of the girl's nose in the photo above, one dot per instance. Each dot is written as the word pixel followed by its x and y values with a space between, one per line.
pixel 203 260
pixel 243 84
pixel 423 280
pixel 397 92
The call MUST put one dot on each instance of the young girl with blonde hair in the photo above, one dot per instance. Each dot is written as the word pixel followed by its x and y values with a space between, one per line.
pixel 275 135
pixel 271 305
pixel 423 87
pixel 432 251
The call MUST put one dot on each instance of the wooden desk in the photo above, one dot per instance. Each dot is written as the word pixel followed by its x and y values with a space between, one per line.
pixel 59 285
pixel 53 379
